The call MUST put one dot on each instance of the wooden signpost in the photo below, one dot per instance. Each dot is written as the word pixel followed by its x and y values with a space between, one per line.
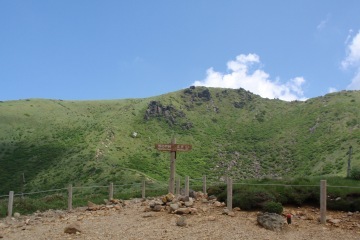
pixel 173 148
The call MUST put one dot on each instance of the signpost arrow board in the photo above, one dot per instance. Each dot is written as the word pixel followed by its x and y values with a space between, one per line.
pixel 173 147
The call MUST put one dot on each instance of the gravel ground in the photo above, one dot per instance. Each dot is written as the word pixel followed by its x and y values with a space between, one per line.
pixel 131 222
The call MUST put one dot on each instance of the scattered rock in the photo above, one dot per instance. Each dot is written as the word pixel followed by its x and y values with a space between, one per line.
pixel 174 206
pixel 189 203
pixel 193 211
pixel 147 209
pixel 231 214
pixel 170 197
pixel 271 221
pixel 204 200
pixel 118 207
pixel 183 211
pixel 184 198
pixel 92 206
pixel 225 211
pixel 211 218
pixel 147 215
pixel 181 222
pixel 334 221
pixel 158 208
pixel 72 228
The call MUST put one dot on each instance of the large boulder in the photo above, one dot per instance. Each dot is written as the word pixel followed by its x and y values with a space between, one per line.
pixel 271 221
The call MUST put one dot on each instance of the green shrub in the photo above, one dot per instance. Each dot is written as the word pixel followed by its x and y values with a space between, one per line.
pixel 355 173
pixel 273 207
pixel 249 199
pixel 216 190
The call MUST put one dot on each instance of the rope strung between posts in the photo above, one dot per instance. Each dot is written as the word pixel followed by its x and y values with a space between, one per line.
pixel 30 193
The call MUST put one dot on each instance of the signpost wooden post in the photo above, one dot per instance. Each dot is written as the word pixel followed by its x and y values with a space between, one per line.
pixel 173 148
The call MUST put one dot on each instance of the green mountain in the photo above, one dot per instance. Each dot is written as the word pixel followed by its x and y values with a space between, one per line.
pixel 45 144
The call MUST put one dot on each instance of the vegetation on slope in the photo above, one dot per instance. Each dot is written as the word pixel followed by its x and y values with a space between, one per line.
pixel 50 143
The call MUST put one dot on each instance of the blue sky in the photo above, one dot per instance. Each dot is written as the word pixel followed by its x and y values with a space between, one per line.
pixel 90 50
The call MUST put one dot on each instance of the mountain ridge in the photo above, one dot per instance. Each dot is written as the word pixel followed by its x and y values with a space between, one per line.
pixel 233 132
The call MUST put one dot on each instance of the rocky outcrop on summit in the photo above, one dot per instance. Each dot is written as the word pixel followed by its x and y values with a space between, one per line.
pixel 171 115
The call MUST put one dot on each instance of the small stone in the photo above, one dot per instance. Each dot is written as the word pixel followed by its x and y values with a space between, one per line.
pixel 72 228
pixel 225 211
pixel 217 204
pixel 183 211
pixel 147 215
pixel 170 197
pixel 152 204
pixel 174 206
pixel 147 209
pixel 189 203
pixel 334 221
pixel 231 214
pixel 204 200
pixel 181 222
pixel 157 208
pixel 211 218
pixel 237 209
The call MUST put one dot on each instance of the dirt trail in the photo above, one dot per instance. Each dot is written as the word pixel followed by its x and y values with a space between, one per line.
pixel 132 222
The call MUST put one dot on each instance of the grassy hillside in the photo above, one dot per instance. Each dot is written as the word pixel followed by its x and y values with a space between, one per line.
pixel 51 143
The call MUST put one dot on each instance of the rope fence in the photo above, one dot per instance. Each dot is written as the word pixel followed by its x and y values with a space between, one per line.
pixel 157 188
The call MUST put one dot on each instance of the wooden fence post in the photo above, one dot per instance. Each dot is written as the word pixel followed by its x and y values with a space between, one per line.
pixel 111 191
pixel 143 189
pixel 70 196
pixel 11 203
pixel 178 186
pixel 229 193
pixel 323 197
pixel 204 184
pixel 187 189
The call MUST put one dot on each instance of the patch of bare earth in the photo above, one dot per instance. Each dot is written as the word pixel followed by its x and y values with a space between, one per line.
pixel 209 222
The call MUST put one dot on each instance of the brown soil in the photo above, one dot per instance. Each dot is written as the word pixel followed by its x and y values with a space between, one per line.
pixel 132 222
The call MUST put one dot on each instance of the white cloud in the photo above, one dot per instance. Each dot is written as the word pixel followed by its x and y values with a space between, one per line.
pixel 348 36
pixel 256 81
pixel 353 60
pixel 353 53
pixel 355 83
pixel 323 23
pixel 332 90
